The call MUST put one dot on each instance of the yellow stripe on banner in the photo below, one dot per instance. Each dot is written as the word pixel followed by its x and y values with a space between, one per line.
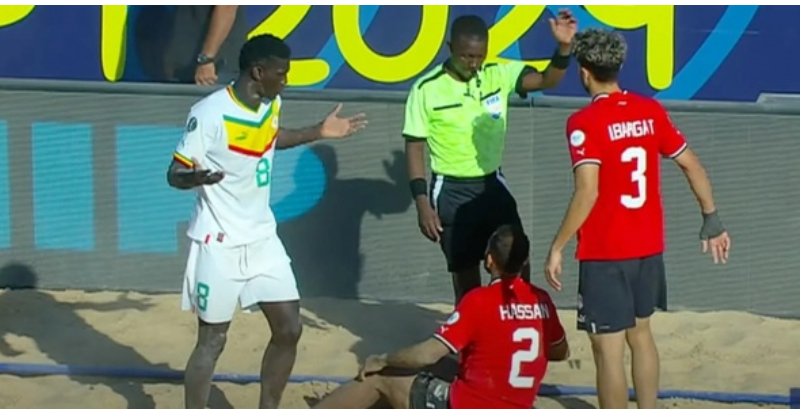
pixel 10 15
pixel 113 39
pixel 183 160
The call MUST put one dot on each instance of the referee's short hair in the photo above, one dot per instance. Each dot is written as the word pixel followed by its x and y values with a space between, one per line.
pixel 469 25
pixel 509 247
pixel 260 48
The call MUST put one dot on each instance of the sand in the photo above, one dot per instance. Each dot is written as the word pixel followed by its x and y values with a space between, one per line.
pixel 725 351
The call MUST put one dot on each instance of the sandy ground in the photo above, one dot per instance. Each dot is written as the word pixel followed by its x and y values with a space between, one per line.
pixel 732 352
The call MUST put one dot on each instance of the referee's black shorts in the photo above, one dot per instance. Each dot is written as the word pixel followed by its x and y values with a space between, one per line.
pixel 470 210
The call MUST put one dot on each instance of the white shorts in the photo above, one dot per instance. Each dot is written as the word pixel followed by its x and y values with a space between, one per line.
pixel 217 276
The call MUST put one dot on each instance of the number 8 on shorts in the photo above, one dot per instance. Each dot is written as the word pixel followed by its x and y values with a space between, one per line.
pixel 202 296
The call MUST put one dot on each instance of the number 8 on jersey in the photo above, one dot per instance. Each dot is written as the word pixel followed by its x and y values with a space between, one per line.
pixel 263 176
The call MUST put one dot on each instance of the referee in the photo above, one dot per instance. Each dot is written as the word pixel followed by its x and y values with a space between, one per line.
pixel 459 110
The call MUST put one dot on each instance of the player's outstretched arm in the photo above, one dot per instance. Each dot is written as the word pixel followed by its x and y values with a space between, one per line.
pixel 332 127
pixel 713 235
pixel 181 176
pixel 415 357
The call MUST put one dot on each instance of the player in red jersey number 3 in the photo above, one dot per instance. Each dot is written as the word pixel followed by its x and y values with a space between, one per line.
pixel 505 334
pixel 616 144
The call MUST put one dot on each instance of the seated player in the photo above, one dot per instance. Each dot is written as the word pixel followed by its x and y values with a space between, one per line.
pixel 505 332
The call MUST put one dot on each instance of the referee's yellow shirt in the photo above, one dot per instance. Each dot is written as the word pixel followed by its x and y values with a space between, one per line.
pixel 463 123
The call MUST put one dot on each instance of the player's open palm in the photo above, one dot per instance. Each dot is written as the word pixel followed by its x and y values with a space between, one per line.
pixel 719 247
pixel 197 175
pixel 334 127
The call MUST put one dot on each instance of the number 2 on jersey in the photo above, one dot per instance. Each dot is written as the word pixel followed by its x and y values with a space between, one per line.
pixel 262 173
pixel 524 356
pixel 638 156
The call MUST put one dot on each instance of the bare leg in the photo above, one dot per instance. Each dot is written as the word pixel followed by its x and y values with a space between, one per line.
pixel 281 352
pixel 353 395
pixel 395 390
pixel 200 368
pixel 466 281
pixel 609 359
pixel 645 363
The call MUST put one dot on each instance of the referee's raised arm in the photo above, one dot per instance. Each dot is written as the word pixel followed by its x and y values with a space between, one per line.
pixel 564 27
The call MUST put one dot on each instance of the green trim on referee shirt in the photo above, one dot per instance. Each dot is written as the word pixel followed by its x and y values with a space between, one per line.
pixel 463 124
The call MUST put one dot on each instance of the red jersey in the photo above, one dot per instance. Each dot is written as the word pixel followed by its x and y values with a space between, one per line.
pixel 503 332
pixel 627 134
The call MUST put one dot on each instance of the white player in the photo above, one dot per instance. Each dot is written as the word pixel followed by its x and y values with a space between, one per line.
pixel 226 155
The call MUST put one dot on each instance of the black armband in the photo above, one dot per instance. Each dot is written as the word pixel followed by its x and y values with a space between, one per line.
pixel 712 226
pixel 418 187
pixel 559 61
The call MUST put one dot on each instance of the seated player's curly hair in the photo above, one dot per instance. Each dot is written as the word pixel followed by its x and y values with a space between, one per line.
pixel 601 52
pixel 261 48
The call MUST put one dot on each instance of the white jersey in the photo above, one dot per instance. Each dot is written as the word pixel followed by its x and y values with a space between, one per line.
pixel 225 135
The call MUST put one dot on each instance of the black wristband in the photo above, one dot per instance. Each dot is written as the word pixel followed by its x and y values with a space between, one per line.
pixel 559 61
pixel 418 187
pixel 712 226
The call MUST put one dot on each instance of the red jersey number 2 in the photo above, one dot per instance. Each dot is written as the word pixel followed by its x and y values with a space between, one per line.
pixel 530 354
pixel 637 156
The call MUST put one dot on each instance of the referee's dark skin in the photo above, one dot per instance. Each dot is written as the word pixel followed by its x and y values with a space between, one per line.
pixel 468 48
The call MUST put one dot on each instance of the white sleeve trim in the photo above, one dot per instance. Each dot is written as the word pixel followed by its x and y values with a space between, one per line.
pixel 447 344
pixel 679 151
pixel 586 161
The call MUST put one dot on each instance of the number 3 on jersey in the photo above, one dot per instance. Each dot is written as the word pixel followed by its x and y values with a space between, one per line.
pixel 524 356
pixel 638 156
pixel 263 173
